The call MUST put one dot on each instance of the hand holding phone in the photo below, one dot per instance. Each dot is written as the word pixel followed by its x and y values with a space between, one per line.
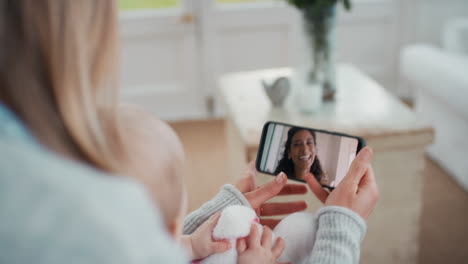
pixel 300 151
pixel 358 191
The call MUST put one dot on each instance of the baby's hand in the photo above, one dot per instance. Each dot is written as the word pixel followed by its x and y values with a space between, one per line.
pixel 256 249
pixel 201 244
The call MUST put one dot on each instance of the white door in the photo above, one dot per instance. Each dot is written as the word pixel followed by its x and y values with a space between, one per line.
pixel 160 69
pixel 243 35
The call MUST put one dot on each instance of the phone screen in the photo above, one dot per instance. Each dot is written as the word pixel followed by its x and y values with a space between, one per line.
pixel 298 151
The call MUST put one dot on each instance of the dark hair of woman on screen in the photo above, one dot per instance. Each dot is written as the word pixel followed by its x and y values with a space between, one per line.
pixel 300 155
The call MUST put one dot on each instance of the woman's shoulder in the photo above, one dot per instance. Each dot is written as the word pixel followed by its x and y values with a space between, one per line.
pixel 44 197
pixel 39 174
pixel 33 163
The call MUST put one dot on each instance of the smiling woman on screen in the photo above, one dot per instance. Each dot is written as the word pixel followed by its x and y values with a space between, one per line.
pixel 300 155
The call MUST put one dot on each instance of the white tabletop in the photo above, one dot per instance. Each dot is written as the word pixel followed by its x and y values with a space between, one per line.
pixel 362 107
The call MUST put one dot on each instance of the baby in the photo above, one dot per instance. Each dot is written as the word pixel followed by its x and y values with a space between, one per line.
pixel 155 156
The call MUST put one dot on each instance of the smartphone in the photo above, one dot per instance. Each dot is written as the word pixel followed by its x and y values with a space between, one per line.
pixel 297 151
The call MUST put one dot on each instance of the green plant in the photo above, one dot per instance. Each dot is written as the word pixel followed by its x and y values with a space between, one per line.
pixel 319 21
pixel 317 6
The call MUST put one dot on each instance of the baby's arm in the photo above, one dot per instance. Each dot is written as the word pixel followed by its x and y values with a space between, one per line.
pixel 228 195
pixel 200 244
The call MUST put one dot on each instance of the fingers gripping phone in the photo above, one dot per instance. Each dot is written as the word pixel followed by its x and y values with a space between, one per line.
pixel 298 151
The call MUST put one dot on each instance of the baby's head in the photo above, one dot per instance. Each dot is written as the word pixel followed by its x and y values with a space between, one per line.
pixel 155 156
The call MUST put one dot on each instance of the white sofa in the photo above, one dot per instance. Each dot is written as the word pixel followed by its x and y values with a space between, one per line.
pixel 438 78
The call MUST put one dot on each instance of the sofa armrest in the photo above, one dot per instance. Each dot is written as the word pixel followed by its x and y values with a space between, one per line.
pixel 439 73
pixel 455 35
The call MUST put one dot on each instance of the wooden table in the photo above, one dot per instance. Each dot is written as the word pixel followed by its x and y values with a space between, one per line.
pixel 362 108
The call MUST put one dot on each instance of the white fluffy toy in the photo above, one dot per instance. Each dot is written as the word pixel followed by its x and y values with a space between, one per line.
pixel 297 230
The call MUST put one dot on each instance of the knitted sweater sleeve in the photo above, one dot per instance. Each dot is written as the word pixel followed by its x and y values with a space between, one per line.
pixel 228 195
pixel 338 238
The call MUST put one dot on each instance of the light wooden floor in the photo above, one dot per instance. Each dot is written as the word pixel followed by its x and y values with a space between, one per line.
pixel 444 224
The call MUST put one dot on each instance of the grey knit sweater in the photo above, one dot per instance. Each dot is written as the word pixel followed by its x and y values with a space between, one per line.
pixel 339 230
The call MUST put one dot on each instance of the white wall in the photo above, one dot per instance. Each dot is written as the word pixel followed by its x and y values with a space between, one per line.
pixel 422 21
pixel 276 147
pixel 367 37
pixel 328 147
pixel 160 61
pixel 346 155
pixel 431 15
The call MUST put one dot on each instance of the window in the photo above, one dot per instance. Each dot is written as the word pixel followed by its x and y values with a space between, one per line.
pixel 147 4
pixel 240 1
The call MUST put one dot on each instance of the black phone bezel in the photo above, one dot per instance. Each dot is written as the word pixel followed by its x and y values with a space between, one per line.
pixel 361 145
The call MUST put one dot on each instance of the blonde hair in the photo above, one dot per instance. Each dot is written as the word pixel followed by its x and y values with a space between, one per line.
pixel 58 64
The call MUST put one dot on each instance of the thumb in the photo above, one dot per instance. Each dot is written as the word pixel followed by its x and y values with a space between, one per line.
pixel 359 166
pixel 368 180
pixel 220 246
pixel 316 188
pixel 368 184
pixel 241 246
pixel 267 191
pixel 247 182
pixel 213 220
pixel 251 170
